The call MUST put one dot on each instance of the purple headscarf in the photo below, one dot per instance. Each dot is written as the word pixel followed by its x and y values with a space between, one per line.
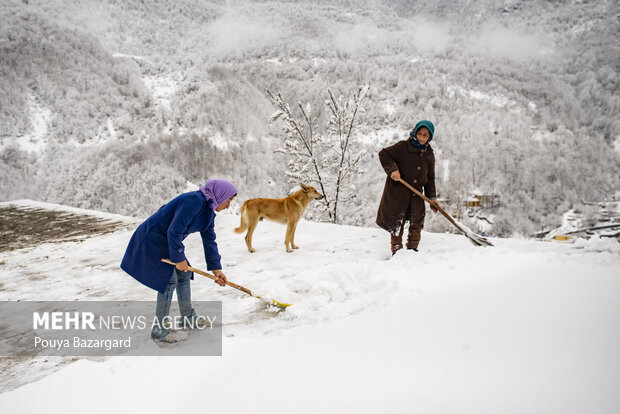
pixel 218 191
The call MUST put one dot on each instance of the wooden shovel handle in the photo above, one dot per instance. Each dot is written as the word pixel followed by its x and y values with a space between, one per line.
pixel 210 276
pixel 429 201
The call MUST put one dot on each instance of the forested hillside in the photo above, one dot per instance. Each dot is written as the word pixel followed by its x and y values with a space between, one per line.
pixel 115 105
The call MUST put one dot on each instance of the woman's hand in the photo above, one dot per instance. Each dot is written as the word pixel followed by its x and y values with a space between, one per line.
pixel 434 205
pixel 395 175
pixel 221 277
pixel 182 266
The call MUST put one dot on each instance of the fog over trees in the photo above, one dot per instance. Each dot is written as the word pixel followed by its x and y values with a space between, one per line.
pixel 116 105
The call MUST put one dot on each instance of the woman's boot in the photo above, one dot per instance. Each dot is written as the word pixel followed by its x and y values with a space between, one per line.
pixel 413 238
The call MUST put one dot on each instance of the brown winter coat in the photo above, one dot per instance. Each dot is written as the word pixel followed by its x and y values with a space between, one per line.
pixel 398 203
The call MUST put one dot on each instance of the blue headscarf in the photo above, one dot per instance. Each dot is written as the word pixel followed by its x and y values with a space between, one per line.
pixel 412 135
pixel 218 191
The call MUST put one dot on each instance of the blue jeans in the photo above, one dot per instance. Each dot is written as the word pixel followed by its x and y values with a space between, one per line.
pixel 179 281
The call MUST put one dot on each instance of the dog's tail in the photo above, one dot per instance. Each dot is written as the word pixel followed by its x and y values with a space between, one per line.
pixel 244 221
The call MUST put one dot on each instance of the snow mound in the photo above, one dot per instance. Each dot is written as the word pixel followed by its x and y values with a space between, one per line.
pixel 599 244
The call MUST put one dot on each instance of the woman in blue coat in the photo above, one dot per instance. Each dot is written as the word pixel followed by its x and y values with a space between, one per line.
pixel 161 236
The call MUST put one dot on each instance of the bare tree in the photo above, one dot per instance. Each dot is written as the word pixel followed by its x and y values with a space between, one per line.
pixel 322 157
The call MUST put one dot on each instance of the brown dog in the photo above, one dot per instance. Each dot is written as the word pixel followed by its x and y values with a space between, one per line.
pixel 287 210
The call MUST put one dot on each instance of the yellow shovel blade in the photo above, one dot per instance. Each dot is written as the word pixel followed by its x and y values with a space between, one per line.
pixel 274 302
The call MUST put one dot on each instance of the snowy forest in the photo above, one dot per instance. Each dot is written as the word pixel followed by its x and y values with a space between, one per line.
pixel 119 105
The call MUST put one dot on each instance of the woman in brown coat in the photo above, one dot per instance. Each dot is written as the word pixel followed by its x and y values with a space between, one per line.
pixel 413 161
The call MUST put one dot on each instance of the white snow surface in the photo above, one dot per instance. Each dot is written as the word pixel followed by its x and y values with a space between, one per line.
pixel 35 139
pixel 522 327
pixel 389 107
pixel 119 55
pixel 493 99
pixel 599 244
pixel 163 88
pixel 222 142
pixel 382 137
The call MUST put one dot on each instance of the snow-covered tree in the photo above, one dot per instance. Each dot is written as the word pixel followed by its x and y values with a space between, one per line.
pixel 327 158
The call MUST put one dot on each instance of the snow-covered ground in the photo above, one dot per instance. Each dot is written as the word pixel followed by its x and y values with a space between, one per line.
pixel 163 88
pixel 522 327
pixel 495 100
pixel 35 139
pixel 382 137
pixel 135 57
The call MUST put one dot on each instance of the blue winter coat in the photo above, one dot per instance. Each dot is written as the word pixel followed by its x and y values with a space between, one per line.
pixel 161 237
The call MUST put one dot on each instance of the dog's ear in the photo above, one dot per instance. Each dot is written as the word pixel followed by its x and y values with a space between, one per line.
pixel 305 187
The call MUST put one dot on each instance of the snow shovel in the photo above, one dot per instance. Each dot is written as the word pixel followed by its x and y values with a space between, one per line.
pixel 236 286
pixel 473 237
